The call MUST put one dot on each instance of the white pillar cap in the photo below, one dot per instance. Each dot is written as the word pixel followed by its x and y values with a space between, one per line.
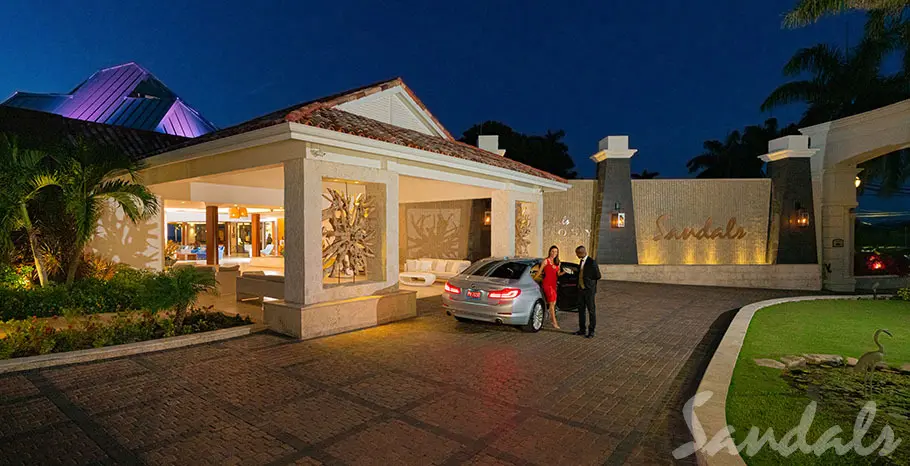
pixel 788 147
pixel 613 147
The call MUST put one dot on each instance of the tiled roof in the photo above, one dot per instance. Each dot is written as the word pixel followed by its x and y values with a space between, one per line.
pixel 322 114
pixel 44 130
pixel 344 122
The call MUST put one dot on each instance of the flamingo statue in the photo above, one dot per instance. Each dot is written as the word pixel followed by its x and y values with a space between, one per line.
pixel 867 362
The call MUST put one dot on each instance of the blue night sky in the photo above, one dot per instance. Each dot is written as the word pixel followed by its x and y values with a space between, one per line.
pixel 668 73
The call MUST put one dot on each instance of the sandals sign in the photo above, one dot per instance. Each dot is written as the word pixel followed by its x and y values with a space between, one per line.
pixel 665 231
pixel 701 221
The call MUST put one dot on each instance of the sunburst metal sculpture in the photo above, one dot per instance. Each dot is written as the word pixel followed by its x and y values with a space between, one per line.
pixel 348 242
pixel 522 230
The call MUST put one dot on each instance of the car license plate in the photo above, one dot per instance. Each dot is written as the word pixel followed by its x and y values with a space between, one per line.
pixel 473 294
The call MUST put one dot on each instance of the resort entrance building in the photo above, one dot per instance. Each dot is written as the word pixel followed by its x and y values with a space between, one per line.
pixel 333 201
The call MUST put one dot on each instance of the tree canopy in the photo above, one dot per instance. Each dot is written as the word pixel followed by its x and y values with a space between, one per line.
pixel 545 152
pixel 737 155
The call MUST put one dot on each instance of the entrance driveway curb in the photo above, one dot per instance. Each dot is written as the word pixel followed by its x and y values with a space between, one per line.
pixel 116 351
pixel 712 415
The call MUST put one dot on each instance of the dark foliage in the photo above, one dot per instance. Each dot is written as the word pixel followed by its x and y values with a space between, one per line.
pixel 547 152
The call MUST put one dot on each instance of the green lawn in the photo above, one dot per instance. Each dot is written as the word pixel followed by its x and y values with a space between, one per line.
pixel 762 397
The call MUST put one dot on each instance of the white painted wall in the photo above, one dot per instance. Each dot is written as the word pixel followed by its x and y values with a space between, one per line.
pixel 391 106
pixel 138 245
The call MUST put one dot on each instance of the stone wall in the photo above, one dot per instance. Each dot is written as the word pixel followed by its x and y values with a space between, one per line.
pixel 777 276
pixel 568 217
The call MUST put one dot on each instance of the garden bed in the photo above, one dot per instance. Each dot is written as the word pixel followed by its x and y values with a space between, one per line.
pixel 34 337
pixel 774 398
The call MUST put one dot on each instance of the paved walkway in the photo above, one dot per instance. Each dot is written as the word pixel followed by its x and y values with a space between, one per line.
pixel 424 391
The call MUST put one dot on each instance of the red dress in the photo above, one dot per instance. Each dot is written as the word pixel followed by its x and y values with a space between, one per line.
pixel 550 274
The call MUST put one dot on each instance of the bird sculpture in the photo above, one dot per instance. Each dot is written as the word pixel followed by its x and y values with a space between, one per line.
pixel 868 361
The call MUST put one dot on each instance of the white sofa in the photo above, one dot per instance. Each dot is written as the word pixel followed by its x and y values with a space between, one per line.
pixel 443 269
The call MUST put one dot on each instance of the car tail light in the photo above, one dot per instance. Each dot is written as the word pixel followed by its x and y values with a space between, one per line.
pixel 506 293
pixel 450 288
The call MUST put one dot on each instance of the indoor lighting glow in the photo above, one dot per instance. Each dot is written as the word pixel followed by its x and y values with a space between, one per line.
pixel 487 218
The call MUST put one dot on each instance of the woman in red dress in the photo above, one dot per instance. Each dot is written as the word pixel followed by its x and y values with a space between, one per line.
pixel 551 271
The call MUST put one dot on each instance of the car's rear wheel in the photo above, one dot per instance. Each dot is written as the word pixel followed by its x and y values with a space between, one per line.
pixel 535 320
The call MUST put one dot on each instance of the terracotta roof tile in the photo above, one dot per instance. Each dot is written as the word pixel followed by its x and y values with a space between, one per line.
pixel 321 113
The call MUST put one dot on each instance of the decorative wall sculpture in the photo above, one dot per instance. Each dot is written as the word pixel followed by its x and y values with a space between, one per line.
pixel 347 234
pixel 435 234
pixel 522 229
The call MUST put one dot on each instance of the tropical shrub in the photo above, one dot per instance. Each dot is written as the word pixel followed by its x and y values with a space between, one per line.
pixel 177 289
pixel 15 279
pixel 31 337
pixel 904 294
pixel 123 292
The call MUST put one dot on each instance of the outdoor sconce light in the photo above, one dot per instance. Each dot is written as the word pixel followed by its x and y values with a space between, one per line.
pixel 857 181
pixel 802 216
pixel 487 218
pixel 617 217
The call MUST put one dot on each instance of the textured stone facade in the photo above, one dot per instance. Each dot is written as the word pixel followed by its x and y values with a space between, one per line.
pixel 773 277
pixel 616 245
pixel 791 180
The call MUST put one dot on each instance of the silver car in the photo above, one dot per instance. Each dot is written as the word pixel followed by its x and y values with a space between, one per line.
pixel 499 290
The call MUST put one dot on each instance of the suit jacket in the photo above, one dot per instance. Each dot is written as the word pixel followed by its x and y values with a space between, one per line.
pixel 591 274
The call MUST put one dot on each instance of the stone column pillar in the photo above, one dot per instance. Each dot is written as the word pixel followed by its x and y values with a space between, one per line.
pixel 614 178
pixel 791 191
pixel 211 235
pixel 295 231
pixel 502 235
pixel 378 216
pixel 838 202
pixel 255 235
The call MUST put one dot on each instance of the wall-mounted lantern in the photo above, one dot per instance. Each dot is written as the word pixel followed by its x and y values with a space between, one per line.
pixel 857 181
pixel 802 216
pixel 617 217
pixel 487 218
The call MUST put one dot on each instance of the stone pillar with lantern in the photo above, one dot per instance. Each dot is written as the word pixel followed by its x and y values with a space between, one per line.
pixel 792 201
pixel 616 242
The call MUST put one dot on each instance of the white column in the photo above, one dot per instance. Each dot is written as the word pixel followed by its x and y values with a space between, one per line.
pixel 502 236
pixel 838 198
pixel 537 246
pixel 295 231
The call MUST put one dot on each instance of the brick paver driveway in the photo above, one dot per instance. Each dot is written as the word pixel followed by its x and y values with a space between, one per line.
pixel 424 391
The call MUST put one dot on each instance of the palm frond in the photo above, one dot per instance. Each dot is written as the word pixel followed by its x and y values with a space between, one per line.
pixel 792 92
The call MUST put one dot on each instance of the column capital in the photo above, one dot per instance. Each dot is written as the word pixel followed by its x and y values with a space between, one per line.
pixel 613 147
pixel 788 147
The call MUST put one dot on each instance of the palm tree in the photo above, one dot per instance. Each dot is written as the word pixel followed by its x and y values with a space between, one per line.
pixel 737 156
pixel 23 174
pixel 645 175
pixel 837 83
pixel 809 11
pixel 93 178
pixel 177 289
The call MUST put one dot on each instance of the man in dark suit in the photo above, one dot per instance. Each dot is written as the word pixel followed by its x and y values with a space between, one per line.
pixel 588 275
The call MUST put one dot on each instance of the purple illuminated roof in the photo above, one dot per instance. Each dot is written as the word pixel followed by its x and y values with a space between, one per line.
pixel 125 95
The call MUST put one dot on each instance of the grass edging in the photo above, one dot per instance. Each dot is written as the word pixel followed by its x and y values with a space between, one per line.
pixel 712 415
pixel 116 351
